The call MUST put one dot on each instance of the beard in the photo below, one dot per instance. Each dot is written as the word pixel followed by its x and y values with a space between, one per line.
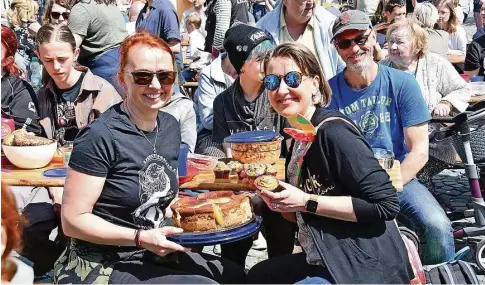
pixel 362 64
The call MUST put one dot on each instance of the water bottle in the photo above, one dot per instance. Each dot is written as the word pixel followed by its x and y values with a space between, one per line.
pixel 35 73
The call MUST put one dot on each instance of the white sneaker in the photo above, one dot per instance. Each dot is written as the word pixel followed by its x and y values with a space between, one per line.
pixel 217 249
pixel 259 243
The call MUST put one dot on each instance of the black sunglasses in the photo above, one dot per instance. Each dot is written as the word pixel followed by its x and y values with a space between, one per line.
pixel 56 15
pixel 359 40
pixel 146 77
pixel 292 79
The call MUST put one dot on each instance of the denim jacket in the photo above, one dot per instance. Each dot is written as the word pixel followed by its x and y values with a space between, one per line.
pixel 95 97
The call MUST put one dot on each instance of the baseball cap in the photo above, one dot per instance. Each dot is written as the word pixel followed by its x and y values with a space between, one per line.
pixel 351 20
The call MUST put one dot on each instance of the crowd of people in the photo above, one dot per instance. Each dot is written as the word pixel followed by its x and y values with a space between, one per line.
pixel 367 75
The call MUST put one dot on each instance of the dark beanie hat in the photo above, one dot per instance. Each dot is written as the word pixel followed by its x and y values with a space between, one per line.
pixel 240 40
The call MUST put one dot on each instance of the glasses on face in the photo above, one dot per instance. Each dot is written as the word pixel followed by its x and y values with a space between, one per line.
pixel 56 15
pixel 359 40
pixel 292 79
pixel 146 77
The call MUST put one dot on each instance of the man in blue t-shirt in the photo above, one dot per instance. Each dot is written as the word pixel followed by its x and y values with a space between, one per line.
pixel 389 108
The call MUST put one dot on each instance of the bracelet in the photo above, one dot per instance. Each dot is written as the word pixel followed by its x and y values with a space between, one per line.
pixel 137 238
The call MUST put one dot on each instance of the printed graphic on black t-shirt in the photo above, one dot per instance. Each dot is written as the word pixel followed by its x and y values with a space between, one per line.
pixel 155 191
pixel 66 125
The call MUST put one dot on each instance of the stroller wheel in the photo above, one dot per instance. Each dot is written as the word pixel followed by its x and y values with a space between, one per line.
pixel 411 236
pixel 480 254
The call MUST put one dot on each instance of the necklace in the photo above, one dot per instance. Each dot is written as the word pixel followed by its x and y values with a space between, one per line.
pixel 154 144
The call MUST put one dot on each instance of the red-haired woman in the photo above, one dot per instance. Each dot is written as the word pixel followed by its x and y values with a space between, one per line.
pixel 18 98
pixel 121 180
pixel 13 270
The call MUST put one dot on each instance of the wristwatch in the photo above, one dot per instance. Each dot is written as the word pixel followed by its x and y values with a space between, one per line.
pixel 312 204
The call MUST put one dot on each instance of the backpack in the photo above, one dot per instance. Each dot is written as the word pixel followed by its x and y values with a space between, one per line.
pixel 453 272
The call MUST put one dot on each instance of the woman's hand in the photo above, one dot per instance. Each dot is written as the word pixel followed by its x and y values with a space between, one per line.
pixel 291 199
pixel 155 240
pixel 442 110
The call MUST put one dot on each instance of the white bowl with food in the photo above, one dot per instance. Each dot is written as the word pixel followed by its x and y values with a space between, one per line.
pixel 27 151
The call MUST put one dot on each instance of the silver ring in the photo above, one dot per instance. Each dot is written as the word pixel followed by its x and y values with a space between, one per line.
pixel 275 206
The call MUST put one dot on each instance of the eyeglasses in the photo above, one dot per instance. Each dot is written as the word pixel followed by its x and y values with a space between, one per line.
pixel 292 79
pixel 359 40
pixel 56 15
pixel 146 77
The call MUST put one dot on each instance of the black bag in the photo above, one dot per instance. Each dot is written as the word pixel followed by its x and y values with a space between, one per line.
pixel 453 272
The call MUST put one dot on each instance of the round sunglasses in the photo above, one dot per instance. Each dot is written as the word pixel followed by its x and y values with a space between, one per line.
pixel 292 79
pixel 57 15
pixel 146 77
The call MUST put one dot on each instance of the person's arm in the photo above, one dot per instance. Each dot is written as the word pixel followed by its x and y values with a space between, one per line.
pixel 417 142
pixel 354 168
pixel 79 21
pixel 453 87
pixel 220 129
pixel 473 59
pixel 206 93
pixel 461 40
pixel 188 125
pixel 171 31
pixel 222 9
pixel 24 105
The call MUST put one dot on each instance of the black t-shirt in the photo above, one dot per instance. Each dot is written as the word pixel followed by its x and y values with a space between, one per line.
pixel 233 114
pixel 139 184
pixel 66 125
pixel 20 103
pixel 475 54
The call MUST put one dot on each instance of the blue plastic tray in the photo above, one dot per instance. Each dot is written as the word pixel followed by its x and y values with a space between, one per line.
pixel 218 237
pixel 56 172
pixel 253 136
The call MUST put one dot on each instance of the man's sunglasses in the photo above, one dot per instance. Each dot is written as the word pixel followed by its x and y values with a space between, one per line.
pixel 146 77
pixel 56 15
pixel 359 40
pixel 292 79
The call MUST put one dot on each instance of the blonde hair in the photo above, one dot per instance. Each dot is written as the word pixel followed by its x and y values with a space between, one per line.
pixel 194 19
pixel 426 13
pixel 419 36
pixel 453 21
pixel 307 63
pixel 21 11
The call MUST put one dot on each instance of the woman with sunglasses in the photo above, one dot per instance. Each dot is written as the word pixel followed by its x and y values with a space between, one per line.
pixel 21 15
pixel 342 198
pixel 244 106
pixel 121 181
pixel 57 12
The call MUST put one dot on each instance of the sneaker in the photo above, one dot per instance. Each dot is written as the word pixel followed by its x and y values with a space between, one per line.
pixel 217 249
pixel 259 243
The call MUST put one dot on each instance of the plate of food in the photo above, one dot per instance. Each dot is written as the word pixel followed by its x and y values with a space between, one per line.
pixel 214 218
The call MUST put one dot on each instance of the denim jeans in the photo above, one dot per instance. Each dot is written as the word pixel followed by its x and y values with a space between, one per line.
pixel 421 213
pixel 106 66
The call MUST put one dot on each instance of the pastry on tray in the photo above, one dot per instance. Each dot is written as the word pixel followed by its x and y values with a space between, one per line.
pixel 267 183
pixel 235 166
pixel 254 170
pixel 221 170
pixel 212 211
pixel 271 170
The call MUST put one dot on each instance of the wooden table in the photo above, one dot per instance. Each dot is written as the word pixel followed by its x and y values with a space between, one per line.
pixel 205 180
pixel 190 88
pixel 15 176
pixel 476 99
pixel 456 58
